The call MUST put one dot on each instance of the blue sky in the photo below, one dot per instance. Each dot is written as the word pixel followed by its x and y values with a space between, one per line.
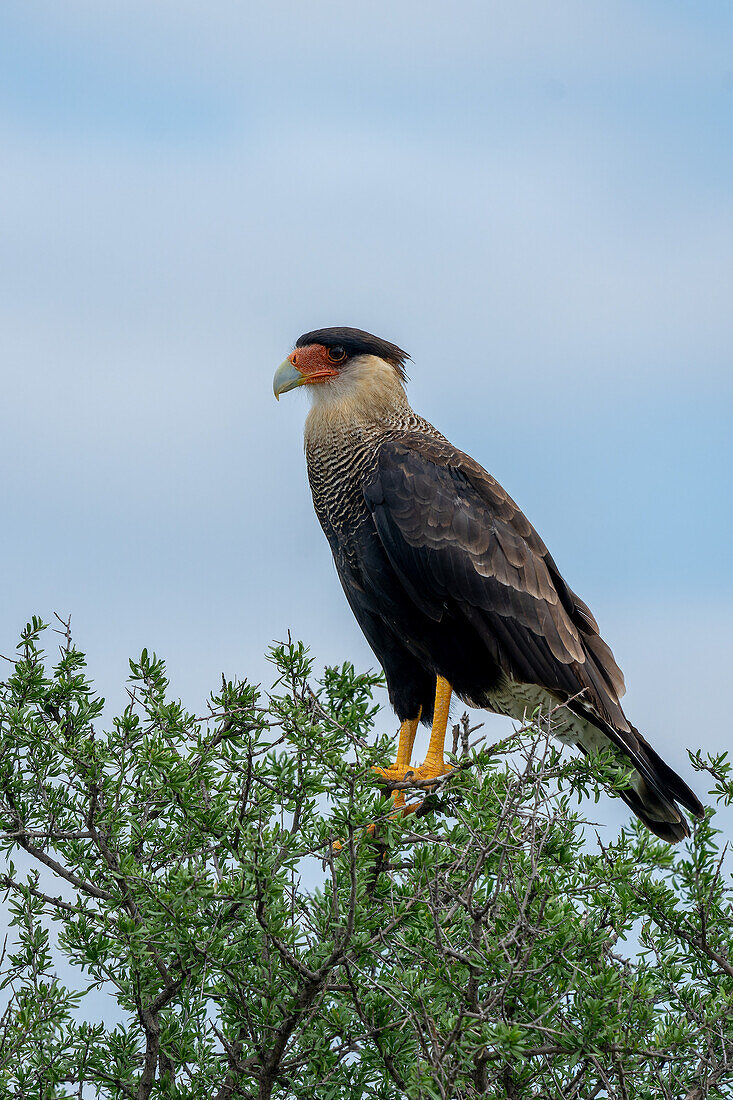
pixel 534 199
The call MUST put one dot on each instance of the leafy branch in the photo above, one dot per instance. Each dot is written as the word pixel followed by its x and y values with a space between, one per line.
pixel 181 868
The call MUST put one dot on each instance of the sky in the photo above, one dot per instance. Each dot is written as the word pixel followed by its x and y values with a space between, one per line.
pixel 534 199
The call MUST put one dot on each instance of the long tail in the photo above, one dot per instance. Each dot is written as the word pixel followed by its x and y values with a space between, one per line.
pixel 654 795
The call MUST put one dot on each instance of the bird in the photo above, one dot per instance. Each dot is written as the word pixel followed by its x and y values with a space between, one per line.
pixel 454 590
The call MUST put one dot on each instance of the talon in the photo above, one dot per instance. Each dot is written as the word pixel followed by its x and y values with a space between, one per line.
pixel 396 774
pixel 433 766
pixel 387 773
pixel 427 771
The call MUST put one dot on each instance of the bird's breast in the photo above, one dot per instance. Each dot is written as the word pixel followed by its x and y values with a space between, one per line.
pixel 341 456
pixel 338 464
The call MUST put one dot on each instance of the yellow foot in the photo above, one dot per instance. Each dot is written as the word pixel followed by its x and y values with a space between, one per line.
pixel 408 729
pixel 397 773
pixel 430 770
pixel 433 766
pixel 394 772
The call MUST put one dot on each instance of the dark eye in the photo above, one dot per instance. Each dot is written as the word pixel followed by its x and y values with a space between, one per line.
pixel 336 354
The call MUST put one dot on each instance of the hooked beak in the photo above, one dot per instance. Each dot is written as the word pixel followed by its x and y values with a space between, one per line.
pixel 287 377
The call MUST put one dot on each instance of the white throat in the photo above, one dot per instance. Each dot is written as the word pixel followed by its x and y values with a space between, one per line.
pixel 367 390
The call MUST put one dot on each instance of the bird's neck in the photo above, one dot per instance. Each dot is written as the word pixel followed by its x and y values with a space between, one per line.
pixel 368 394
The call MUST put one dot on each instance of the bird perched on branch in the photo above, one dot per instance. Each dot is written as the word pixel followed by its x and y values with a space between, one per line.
pixel 452 586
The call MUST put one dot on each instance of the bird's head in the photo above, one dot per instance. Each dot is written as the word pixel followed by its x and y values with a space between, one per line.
pixel 341 362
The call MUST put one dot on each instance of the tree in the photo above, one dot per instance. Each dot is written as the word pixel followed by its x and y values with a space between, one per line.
pixel 485 946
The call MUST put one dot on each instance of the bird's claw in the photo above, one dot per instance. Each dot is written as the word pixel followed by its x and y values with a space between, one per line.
pixel 394 773
pixel 424 773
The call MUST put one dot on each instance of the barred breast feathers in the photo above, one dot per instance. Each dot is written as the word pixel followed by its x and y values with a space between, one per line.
pixel 350 417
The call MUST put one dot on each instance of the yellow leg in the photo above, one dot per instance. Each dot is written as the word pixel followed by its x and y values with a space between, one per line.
pixel 398 770
pixel 408 730
pixel 434 764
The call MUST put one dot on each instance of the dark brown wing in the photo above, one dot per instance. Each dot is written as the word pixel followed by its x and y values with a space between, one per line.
pixel 459 545
pixel 454 536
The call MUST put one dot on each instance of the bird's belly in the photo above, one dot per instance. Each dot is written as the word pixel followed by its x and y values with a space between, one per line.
pixel 523 701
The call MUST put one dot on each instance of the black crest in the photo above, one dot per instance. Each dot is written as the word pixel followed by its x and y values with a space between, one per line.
pixel 355 341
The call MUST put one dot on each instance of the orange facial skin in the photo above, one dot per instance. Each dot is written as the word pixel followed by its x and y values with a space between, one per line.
pixel 313 363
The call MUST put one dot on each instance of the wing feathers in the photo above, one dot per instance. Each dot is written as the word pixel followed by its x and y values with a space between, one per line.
pixel 457 539
pixel 460 548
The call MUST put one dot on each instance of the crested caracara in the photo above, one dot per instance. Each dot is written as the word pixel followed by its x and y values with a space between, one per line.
pixel 452 586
